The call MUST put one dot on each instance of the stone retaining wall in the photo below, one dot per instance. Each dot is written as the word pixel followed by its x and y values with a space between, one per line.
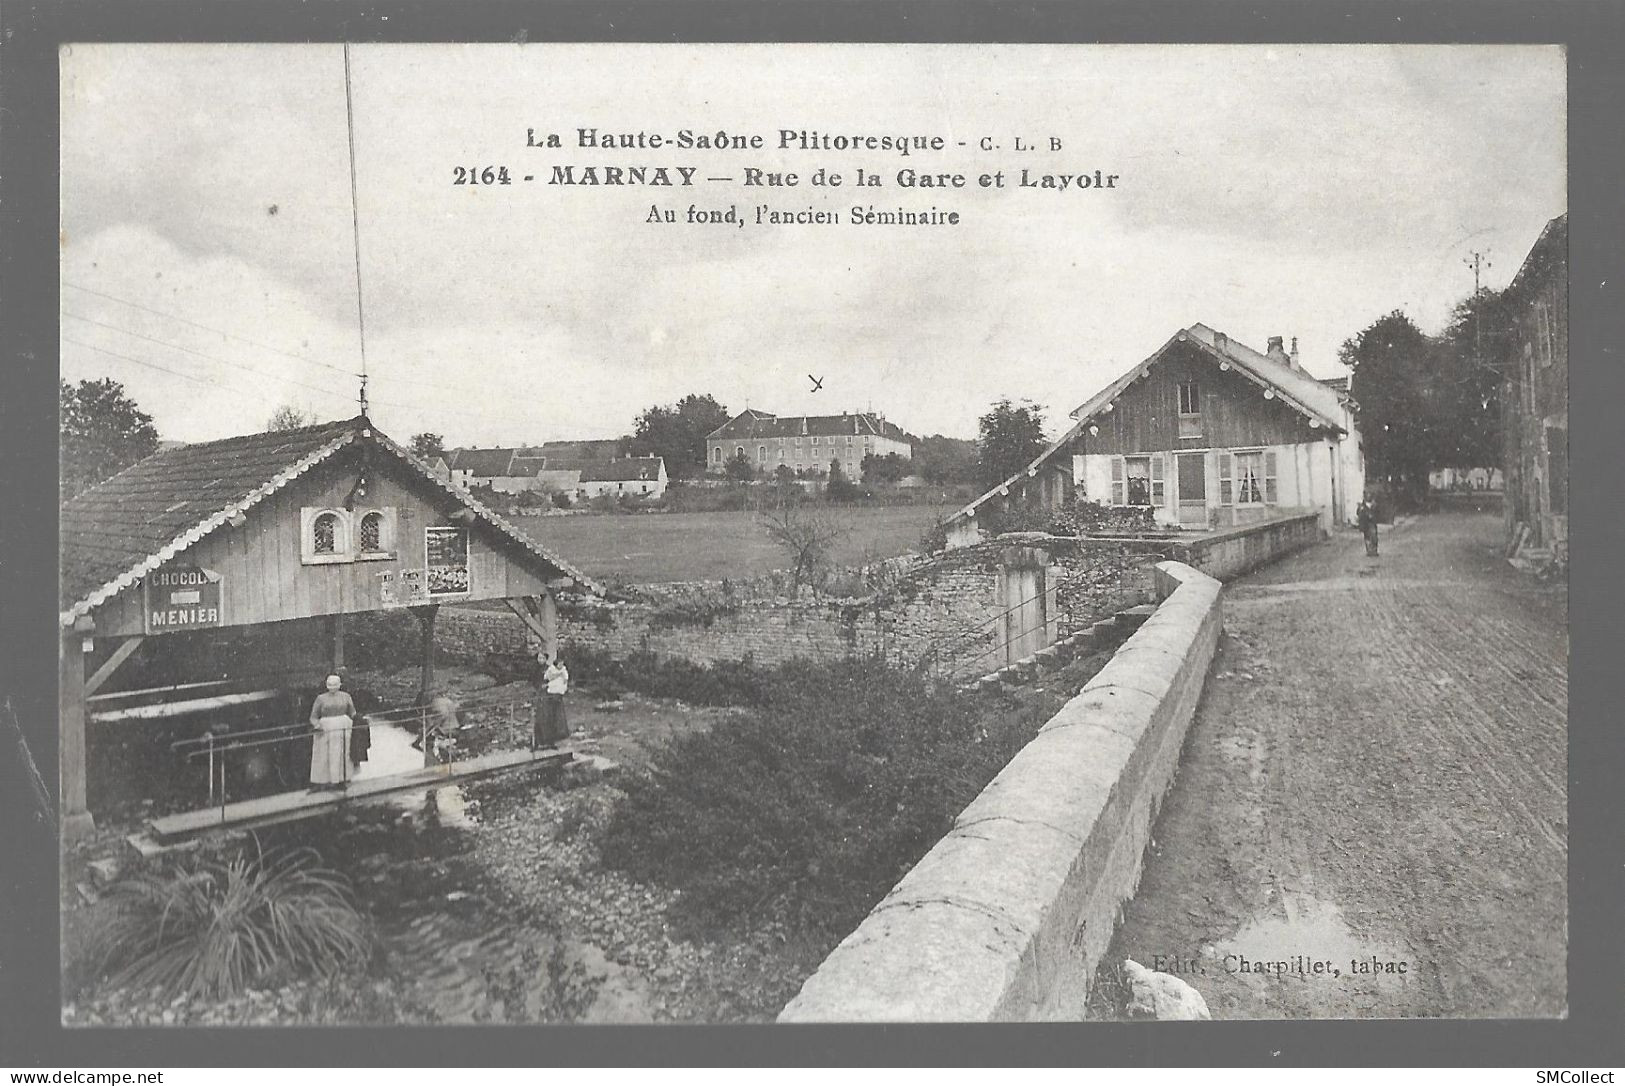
pixel 941 607
pixel 1229 553
pixel 1008 916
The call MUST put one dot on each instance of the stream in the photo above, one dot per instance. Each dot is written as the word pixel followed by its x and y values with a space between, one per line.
pixel 444 933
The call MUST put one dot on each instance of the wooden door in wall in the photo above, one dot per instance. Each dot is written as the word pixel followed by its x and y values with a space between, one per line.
pixel 1192 471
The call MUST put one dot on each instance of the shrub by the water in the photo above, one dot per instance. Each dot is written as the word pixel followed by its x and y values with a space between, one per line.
pixel 211 928
pixel 804 813
pixel 723 683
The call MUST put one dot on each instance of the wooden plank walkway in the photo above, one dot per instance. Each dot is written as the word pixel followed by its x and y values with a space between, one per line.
pixel 288 806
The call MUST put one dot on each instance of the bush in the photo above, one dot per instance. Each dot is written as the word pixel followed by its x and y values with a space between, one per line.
pixel 804 814
pixel 724 683
pixel 210 928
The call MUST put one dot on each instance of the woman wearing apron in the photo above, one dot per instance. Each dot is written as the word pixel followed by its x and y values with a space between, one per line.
pixel 331 717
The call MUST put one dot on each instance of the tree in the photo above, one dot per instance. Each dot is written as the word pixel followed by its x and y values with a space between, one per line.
pixel 1011 437
pixel 1469 372
pixel 884 469
pixel 288 417
pixel 807 535
pixel 428 445
pixel 1394 384
pixel 677 432
pixel 839 488
pixel 943 461
pixel 738 468
pixel 102 433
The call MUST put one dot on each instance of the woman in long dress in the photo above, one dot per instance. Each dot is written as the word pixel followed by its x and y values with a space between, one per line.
pixel 331 717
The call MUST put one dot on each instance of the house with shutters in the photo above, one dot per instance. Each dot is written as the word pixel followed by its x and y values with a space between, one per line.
pixel 1205 433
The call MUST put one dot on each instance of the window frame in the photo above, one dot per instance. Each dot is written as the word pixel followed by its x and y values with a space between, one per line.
pixel 1194 406
pixel 343 536
pixel 386 534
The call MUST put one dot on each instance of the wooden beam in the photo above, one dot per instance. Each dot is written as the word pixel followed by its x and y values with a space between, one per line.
pixel 425 616
pixel 526 614
pixel 105 672
pixel 77 823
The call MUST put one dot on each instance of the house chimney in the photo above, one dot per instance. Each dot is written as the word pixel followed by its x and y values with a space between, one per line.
pixel 1276 353
pixel 1294 355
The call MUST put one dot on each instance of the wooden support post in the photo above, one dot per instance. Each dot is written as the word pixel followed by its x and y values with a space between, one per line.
pixel 336 626
pixel 547 613
pixel 426 622
pixel 77 823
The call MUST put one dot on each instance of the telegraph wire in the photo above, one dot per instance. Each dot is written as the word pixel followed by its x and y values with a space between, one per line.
pixel 200 354
pixel 253 343
pixel 207 328
pixel 416 407
pixel 137 361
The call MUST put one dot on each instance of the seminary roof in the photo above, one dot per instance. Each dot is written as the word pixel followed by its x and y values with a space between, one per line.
pixel 751 423
pixel 123 528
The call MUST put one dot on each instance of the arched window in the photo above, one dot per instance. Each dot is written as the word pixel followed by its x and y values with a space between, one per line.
pixel 325 534
pixel 716 455
pixel 372 533
pixel 761 454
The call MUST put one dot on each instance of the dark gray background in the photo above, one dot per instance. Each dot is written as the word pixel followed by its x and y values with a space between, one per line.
pixel 30 30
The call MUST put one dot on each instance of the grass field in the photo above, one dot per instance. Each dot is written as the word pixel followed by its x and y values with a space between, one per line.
pixel 657 547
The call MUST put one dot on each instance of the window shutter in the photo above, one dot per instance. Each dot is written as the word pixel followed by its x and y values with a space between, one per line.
pixel 1269 477
pixel 1157 490
pixel 1224 479
pixel 1118 496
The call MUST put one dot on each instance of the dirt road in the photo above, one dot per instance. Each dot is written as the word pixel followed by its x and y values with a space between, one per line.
pixel 1376 781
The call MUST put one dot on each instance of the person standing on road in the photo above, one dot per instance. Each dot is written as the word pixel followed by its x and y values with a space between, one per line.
pixel 551 726
pixel 1366 517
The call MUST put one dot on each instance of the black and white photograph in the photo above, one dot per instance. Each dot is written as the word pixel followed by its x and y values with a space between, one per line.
pixel 654 533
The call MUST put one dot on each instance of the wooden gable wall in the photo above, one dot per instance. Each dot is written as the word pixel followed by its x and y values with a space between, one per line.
pixel 1234 412
pixel 264 577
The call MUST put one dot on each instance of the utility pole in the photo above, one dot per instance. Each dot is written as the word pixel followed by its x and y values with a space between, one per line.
pixel 1479 265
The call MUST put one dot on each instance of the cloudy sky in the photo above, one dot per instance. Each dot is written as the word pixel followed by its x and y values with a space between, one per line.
pixel 208 254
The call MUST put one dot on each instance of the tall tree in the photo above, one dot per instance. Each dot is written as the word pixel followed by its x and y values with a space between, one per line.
pixel 943 460
pixel 288 417
pixel 1395 385
pixel 677 432
pixel 1011 437
pixel 102 433
pixel 738 468
pixel 1468 374
pixel 428 445
pixel 884 469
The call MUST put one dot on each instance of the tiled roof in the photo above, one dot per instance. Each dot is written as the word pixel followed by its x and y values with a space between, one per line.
pixel 481 463
pixel 754 424
pixel 114 525
pixel 621 471
pixel 1552 247
pixel 143 516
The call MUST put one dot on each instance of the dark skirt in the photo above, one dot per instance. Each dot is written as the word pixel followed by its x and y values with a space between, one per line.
pixel 551 726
